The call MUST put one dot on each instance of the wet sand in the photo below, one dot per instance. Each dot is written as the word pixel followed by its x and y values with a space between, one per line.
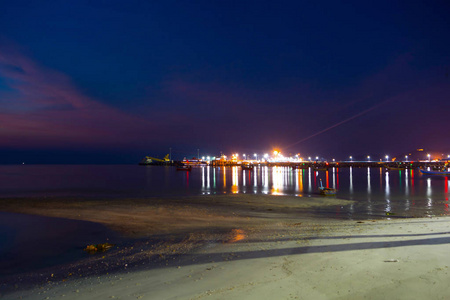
pixel 147 217
pixel 243 247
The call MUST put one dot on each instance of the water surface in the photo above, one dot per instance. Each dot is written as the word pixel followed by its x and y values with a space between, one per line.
pixel 32 242
pixel 376 191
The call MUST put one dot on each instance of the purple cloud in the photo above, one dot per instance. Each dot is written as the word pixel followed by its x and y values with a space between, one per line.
pixel 44 108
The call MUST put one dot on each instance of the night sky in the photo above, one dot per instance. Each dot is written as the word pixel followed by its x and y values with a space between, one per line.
pixel 113 81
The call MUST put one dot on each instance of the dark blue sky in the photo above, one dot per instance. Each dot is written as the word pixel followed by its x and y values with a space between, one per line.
pixel 113 81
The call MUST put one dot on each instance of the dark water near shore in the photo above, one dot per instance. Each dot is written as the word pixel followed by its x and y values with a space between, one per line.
pixel 405 193
pixel 33 242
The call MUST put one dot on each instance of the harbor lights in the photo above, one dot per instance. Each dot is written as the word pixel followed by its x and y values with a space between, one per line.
pixel 317 158
pixel 429 157
pixel 368 157
pixel 406 157
pixel 309 158
pixel 334 160
pixel 255 155
pixel 387 157
pixel 351 158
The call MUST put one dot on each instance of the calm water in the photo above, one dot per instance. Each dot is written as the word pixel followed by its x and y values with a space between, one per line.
pixel 376 192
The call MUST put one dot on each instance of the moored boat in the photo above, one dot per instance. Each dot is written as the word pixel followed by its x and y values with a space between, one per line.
pixel 326 191
pixel 184 168
pixel 444 172
pixel 395 168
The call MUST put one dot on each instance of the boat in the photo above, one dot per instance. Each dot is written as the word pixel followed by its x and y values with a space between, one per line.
pixel 148 160
pixel 247 167
pixel 388 168
pixel 326 191
pixel 444 172
pixel 184 168
pixel 320 169
pixel 194 162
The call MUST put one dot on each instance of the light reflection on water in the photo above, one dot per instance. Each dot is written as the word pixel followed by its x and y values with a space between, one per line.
pixel 376 191
pixel 397 192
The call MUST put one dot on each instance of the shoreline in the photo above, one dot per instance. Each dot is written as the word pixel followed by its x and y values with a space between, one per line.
pixel 274 251
pixel 151 229
pixel 138 218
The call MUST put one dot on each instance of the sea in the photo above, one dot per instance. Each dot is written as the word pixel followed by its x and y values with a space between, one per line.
pixel 32 242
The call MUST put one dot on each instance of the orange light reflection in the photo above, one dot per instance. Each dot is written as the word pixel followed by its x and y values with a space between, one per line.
pixel 236 235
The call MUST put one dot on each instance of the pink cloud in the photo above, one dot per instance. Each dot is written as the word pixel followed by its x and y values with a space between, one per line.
pixel 48 110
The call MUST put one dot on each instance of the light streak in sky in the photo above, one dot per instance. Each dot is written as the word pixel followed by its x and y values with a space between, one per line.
pixel 338 124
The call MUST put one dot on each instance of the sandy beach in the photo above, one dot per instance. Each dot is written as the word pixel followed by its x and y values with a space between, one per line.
pixel 242 247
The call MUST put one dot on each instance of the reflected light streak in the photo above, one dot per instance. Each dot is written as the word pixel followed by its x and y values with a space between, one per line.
pixel 387 185
pixel 369 202
pixel 236 236
pixel 300 180
pixel 224 177
pixel 208 179
pixel 234 180
pixel 351 180
pixel 315 178
pixel 388 201
pixel 429 187
pixel 266 180
pixel 203 178
pixel 187 179
pixel 277 177
pixel 334 178
pixel 309 181
pixel 446 189
pixel 337 178
pixel 406 182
